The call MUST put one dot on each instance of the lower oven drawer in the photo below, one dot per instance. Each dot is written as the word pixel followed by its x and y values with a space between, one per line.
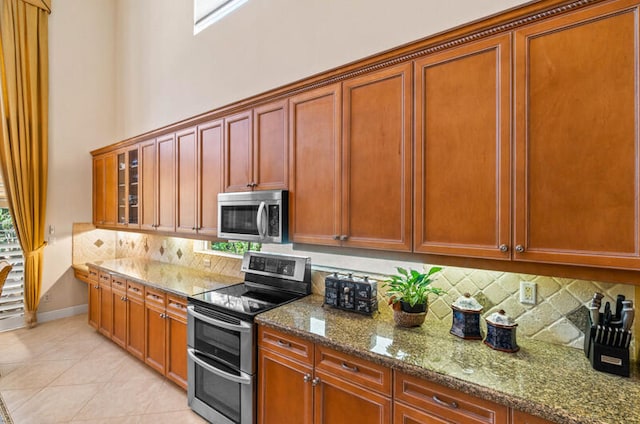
pixel 218 393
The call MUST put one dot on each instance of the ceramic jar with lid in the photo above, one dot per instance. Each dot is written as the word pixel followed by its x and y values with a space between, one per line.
pixel 501 332
pixel 466 318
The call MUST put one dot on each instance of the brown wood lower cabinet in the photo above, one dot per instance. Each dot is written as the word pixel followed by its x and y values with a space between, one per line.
pixel 149 323
pixel 518 417
pixel 425 401
pixel 165 319
pixel 302 383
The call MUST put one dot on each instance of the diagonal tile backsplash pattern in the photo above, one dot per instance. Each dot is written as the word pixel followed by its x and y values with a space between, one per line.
pixel 557 317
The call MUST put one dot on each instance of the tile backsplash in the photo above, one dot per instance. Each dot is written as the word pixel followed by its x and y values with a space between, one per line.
pixel 557 317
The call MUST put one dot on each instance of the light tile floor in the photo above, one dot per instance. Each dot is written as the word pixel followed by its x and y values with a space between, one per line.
pixel 64 371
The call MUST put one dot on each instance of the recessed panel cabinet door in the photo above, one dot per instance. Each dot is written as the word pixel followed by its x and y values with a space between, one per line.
pixel 376 161
pixel 577 146
pixel 210 175
pixel 186 176
pixel 238 155
pixel 166 194
pixel 315 196
pixel 270 147
pixel 462 159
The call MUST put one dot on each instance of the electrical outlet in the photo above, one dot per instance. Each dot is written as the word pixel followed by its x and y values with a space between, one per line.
pixel 528 292
pixel 207 263
pixel 46 298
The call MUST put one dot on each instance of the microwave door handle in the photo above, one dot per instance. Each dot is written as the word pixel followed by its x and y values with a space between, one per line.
pixel 243 327
pixel 218 372
pixel 260 220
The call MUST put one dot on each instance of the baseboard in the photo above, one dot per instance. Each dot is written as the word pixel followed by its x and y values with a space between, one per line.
pixel 63 313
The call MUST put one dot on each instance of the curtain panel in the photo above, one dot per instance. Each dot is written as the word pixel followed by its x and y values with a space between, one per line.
pixel 23 145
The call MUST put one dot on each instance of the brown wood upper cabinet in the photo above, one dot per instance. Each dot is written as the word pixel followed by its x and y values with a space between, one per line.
pixel 462 153
pixel 105 189
pixel 127 183
pixel 256 153
pixel 351 171
pixel 576 128
pixel 198 178
pixel 157 189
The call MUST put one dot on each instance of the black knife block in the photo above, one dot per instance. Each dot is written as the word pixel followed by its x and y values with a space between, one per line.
pixel 612 360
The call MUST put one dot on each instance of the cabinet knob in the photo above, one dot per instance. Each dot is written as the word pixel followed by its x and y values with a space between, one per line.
pixel 306 378
pixel 504 248
pixel 344 237
pixel 315 381
pixel 249 185
pixel 336 237
pixel 519 248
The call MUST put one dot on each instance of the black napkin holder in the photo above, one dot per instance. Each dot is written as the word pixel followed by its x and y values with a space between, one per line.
pixel 605 358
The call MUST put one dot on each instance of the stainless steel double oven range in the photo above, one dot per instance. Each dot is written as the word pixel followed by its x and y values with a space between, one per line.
pixel 222 341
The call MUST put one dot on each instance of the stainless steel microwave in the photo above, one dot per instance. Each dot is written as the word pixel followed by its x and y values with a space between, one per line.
pixel 258 216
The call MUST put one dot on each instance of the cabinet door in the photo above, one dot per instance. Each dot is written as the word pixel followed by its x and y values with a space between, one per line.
pixel 105 189
pixel 165 177
pixel 135 324
pixel 106 310
pixel 147 185
pixel 210 175
pixel 176 318
pixel 132 187
pixel 339 402
pixel 98 190
pixel 376 188
pixel 119 305
pixel 577 138
pixel 186 179
pixel 315 192
pixel 238 155
pixel 404 414
pixel 284 390
pixel 122 194
pixel 270 147
pixel 462 159
pixel 155 333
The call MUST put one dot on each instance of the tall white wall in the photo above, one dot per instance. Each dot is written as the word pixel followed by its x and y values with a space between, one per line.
pixel 82 81
pixel 167 74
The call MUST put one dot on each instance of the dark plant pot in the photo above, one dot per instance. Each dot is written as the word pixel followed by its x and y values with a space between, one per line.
pixel 415 309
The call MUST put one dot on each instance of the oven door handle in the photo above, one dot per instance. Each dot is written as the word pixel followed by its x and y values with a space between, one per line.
pixel 243 327
pixel 260 219
pixel 216 371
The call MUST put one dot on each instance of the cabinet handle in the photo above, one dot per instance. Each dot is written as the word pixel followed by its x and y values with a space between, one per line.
pixel 344 237
pixel 306 378
pixel 504 248
pixel 519 248
pixel 96 287
pixel 248 184
pixel 193 228
pixel 336 237
pixel 440 402
pixel 315 381
pixel 349 368
pixel 283 344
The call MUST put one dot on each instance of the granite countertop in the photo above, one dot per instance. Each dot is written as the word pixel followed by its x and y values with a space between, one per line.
pixel 175 279
pixel 554 382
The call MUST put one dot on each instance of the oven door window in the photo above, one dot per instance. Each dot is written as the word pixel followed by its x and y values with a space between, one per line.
pixel 239 219
pixel 218 343
pixel 223 395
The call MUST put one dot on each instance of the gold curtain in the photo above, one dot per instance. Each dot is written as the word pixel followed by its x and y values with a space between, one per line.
pixel 24 66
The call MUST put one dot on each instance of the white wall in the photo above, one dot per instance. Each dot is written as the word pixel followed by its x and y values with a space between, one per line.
pixel 167 74
pixel 82 117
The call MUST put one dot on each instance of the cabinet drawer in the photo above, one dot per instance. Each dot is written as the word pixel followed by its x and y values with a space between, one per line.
pixel 118 283
pixel 358 371
pixel 81 275
pixel 135 290
pixel 287 345
pixel 518 417
pixel 155 297
pixel 447 403
pixel 94 275
pixel 177 307
pixel 105 278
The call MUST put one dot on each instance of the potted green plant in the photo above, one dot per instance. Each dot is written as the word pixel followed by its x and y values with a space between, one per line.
pixel 408 293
